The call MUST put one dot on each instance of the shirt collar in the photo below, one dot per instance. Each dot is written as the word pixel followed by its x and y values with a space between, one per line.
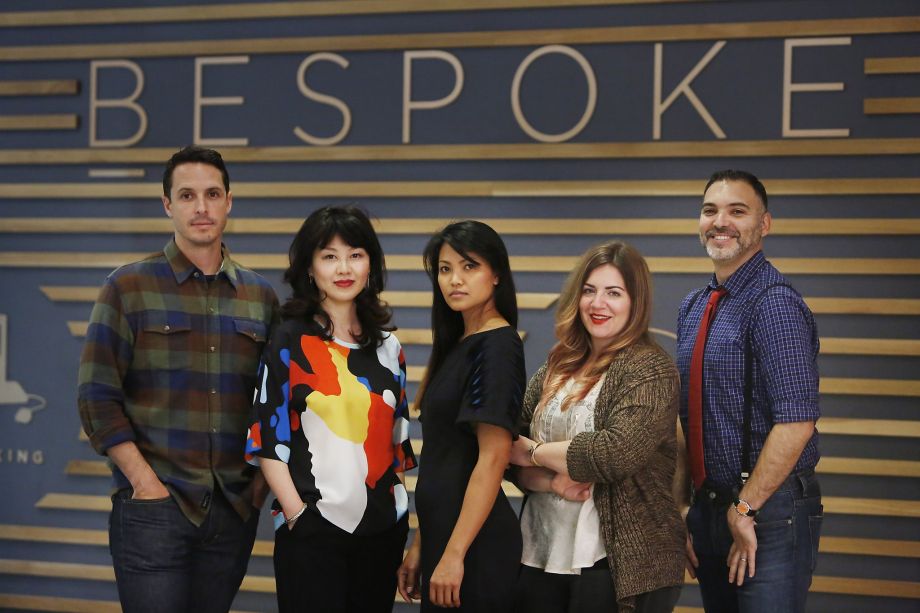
pixel 740 278
pixel 183 268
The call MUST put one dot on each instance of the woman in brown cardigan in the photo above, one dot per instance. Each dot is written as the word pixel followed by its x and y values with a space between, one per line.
pixel 601 529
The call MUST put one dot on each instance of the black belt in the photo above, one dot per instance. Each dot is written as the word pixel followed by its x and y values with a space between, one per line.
pixel 722 496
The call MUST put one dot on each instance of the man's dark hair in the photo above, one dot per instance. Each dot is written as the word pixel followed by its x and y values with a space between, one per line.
pixel 743 176
pixel 190 155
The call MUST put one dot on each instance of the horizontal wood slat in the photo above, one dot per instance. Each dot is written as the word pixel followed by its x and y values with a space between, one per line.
pixel 869 427
pixel 875 547
pixel 274 10
pixel 396 298
pixel 869 467
pixel 58 603
pixel 529 263
pixel 519 151
pixel 869 346
pixel 442 189
pixel 871 506
pixel 70 536
pixel 509 226
pixel 98 572
pixel 88 468
pixel 892 65
pixel 59 87
pixel 832 504
pixel 863 306
pixel 830 465
pixel 38 122
pixel 829 346
pixel 74 502
pixel 64 605
pixel 460 40
pixel 70 570
pixel 870 387
pixel 891 106
pixel 263 584
pixel 48 534
pixel 820 306
pixel 854 586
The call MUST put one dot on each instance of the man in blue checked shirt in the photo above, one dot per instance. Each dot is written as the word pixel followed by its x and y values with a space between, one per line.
pixel 749 403
pixel 167 378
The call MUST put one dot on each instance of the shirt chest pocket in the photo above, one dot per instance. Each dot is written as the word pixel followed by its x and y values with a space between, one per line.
pixel 164 341
pixel 248 342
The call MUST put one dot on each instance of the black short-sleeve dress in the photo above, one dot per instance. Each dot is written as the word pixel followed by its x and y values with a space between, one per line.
pixel 481 381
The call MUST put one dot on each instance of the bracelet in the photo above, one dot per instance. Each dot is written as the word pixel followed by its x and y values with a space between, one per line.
pixel 290 521
pixel 533 452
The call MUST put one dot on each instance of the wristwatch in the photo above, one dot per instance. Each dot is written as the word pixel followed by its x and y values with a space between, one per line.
pixel 744 509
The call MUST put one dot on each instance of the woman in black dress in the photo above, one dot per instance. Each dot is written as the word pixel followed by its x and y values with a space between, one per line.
pixel 468 546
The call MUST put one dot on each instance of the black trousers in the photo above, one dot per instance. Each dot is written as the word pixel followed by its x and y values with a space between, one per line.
pixel 590 592
pixel 323 569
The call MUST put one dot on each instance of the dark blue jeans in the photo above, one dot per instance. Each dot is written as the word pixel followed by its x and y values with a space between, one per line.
pixel 788 527
pixel 163 562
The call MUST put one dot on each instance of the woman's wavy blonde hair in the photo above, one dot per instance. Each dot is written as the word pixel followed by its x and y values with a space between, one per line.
pixel 573 347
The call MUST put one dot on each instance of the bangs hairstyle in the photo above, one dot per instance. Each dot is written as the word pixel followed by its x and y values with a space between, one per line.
pixel 352 225
pixel 476 242
pixel 573 347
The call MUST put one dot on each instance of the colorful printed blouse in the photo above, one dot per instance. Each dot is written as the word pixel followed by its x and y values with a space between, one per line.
pixel 337 414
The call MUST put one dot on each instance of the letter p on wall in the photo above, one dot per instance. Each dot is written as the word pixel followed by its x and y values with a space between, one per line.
pixel 409 104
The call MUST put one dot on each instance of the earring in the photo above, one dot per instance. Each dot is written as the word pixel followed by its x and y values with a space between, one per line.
pixel 312 280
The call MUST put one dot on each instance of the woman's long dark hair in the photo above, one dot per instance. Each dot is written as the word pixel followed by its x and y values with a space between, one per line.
pixel 352 225
pixel 475 241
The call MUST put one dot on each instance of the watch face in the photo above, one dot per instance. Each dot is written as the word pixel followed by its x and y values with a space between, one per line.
pixel 743 507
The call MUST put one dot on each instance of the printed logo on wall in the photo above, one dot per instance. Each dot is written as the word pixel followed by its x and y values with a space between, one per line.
pixel 11 393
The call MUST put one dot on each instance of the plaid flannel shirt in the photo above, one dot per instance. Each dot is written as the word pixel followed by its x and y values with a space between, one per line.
pixel 170 363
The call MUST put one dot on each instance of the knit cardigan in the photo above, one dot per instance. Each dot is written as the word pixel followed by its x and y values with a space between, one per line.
pixel 630 457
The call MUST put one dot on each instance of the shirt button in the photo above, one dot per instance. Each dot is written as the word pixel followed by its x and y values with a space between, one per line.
pixel 197 274
pixel 166 328
pixel 212 349
pixel 213 391
pixel 214 430
pixel 210 309
pixel 712 495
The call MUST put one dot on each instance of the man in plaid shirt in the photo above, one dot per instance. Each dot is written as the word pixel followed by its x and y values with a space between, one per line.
pixel 166 383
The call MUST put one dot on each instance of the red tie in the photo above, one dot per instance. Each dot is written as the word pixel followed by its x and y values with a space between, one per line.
pixel 695 392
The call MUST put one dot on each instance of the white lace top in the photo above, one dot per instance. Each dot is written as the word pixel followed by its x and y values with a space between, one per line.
pixel 561 536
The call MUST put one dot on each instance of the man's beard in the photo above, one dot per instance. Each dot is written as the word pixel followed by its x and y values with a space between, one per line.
pixel 728 253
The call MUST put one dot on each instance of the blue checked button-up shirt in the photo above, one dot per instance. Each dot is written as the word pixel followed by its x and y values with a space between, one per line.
pixel 784 340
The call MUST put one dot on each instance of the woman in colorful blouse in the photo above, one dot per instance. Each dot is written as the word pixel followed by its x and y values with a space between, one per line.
pixel 601 529
pixel 331 428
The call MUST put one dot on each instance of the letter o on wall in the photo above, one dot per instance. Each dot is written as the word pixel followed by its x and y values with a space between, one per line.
pixel 516 94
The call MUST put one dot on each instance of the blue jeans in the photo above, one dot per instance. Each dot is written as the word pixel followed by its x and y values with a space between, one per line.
pixel 788 527
pixel 163 562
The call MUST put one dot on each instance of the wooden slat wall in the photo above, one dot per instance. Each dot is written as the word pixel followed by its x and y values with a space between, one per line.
pixel 53 258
